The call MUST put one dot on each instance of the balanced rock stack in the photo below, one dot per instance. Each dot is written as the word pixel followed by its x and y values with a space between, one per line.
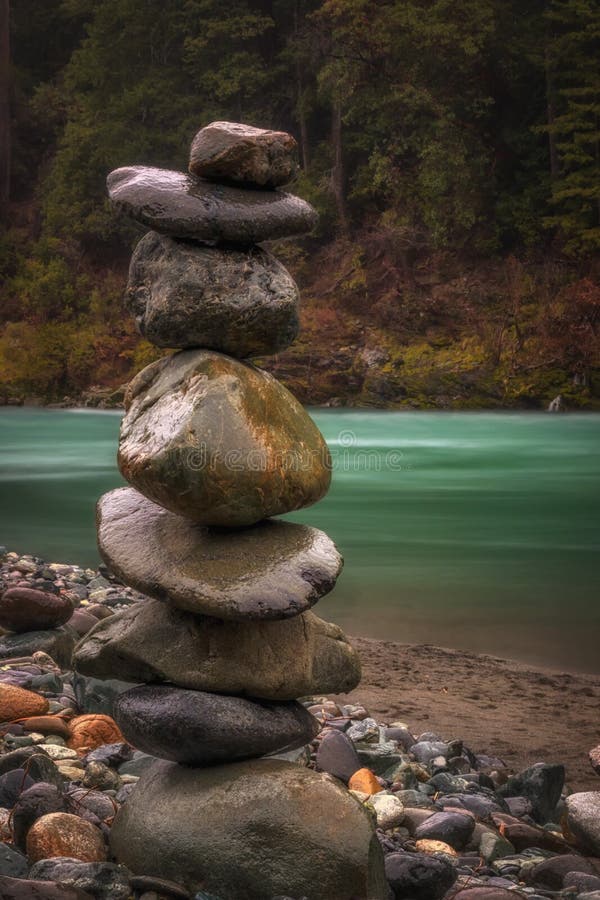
pixel 213 448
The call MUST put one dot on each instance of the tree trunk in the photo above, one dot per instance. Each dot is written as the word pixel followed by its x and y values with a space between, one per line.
pixel 300 109
pixel 550 117
pixel 337 174
pixel 4 110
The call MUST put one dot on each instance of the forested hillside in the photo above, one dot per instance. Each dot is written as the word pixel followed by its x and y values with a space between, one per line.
pixel 452 148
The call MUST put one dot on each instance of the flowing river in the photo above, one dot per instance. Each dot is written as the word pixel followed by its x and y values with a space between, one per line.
pixel 477 531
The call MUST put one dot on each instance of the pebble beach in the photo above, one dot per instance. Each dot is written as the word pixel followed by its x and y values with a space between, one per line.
pixel 471 794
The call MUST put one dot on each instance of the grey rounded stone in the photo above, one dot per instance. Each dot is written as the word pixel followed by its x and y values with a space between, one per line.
pixel 415 876
pixel 280 660
pixel 231 151
pixel 103 880
pixel 219 441
pixel 198 728
pixel 184 206
pixel 583 817
pixel 337 756
pixel 239 301
pixel 454 828
pixel 272 570
pixel 37 801
pixel 250 830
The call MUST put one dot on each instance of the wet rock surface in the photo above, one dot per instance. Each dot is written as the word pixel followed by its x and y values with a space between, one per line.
pixel 271 570
pixel 242 302
pixel 255 157
pixel 181 205
pixel 219 441
pixel 206 728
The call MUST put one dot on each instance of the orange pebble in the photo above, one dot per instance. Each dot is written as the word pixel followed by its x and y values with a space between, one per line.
pixel 91 731
pixel 16 702
pixel 63 834
pixel 364 780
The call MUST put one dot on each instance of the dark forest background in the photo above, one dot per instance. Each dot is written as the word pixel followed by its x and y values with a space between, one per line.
pixel 452 148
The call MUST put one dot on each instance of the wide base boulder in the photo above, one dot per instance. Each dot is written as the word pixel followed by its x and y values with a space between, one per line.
pixel 250 831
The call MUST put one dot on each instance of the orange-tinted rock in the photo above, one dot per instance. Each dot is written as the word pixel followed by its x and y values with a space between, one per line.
pixel 91 731
pixel 17 703
pixel 428 846
pixel 63 834
pixel 46 725
pixel 364 780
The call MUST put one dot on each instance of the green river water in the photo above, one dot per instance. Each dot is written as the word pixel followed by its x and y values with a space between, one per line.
pixel 470 530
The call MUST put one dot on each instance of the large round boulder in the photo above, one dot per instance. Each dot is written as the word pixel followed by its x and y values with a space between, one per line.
pixel 280 660
pixel 198 728
pixel 583 819
pixel 250 830
pixel 240 301
pixel 179 204
pixel 219 441
pixel 271 570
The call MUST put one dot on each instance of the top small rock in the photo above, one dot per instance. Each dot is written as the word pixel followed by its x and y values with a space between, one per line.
pixel 256 157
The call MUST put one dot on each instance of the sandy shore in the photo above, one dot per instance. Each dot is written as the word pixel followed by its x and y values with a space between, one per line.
pixel 497 706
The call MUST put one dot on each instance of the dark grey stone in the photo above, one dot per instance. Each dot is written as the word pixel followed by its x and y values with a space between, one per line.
pixel 425 751
pixel 248 831
pixel 96 802
pixel 178 204
pixel 96 695
pixel 337 756
pixel 242 302
pixel 402 736
pixel 272 570
pixel 27 889
pixel 110 754
pixel 551 873
pixel 143 883
pixel 255 157
pixel 414 876
pixel 56 642
pixel 453 828
pixel 542 785
pixel 137 765
pixel 480 805
pixel 35 761
pixel 198 728
pixel 12 785
pixel 12 863
pixel 37 801
pixel 103 880
pixel 581 881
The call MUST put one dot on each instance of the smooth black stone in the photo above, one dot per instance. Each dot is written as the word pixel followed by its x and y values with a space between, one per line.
pixel 37 801
pixel 199 728
pixel 337 756
pixel 453 828
pixel 12 785
pixel 183 206
pixel 414 876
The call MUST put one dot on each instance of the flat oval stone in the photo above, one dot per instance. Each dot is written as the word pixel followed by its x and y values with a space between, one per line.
pixel 239 301
pixel 255 829
pixel 219 441
pixel 271 570
pixel 26 609
pixel 198 728
pixel 281 660
pixel 231 151
pixel 184 206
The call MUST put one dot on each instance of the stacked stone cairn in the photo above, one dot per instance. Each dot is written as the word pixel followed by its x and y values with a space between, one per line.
pixel 213 448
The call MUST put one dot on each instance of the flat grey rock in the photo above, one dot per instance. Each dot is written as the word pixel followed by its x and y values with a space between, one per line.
pixel 198 728
pixel 250 830
pixel 242 302
pixel 220 441
pixel 184 206
pixel 152 642
pixel 272 570
pixel 231 151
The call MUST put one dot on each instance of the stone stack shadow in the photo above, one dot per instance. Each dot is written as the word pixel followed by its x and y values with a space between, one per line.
pixel 213 448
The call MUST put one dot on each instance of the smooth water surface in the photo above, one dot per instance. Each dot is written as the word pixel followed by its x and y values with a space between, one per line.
pixel 468 530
